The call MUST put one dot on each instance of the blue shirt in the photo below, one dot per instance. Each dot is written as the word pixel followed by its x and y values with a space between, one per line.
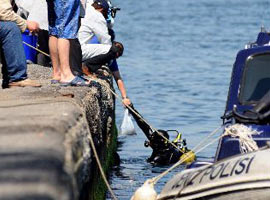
pixel 114 66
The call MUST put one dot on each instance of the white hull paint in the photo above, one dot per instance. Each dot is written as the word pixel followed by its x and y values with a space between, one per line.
pixel 245 177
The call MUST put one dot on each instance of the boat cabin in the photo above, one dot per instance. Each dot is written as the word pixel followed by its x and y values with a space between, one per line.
pixel 248 99
pixel 233 175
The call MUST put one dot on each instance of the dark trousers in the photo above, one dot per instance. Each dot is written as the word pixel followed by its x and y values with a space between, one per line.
pixel 96 62
pixel 75 57
pixel 43 45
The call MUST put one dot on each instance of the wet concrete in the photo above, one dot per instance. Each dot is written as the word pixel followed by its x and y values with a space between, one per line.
pixel 44 139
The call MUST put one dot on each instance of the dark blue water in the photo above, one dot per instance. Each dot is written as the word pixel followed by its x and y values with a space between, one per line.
pixel 177 66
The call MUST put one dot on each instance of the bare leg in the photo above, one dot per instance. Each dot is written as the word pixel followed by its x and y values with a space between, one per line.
pixel 63 51
pixel 53 41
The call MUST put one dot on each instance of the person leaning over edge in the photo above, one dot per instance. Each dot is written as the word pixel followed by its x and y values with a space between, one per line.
pixel 14 67
pixel 105 51
pixel 94 24
pixel 63 27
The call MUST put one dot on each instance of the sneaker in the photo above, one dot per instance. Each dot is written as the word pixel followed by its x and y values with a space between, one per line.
pixel 24 83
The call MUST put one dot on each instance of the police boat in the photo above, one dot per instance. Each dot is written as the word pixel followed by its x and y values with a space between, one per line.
pixel 234 172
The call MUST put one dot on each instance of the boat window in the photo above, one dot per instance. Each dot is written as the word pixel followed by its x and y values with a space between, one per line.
pixel 256 78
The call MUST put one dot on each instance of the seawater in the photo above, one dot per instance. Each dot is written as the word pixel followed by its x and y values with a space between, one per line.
pixel 177 66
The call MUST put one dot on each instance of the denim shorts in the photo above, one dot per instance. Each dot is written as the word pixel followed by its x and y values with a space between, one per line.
pixel 63 16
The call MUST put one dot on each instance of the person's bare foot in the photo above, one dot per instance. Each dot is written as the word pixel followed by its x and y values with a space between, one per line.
pixel 56 77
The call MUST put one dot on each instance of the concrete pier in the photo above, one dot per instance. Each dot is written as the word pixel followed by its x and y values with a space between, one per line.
pixel 45 152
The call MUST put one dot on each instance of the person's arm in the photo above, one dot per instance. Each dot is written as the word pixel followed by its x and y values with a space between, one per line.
pixel 121 86
pixel 7 14
pixel 32 26
pixel 148 131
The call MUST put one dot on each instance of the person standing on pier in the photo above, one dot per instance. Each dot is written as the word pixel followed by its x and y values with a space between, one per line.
pixel 63 28
pixel 14 67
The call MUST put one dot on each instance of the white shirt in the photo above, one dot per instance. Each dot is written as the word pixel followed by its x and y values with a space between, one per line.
pixel 38 11
pixel 90 1
pixel 94 24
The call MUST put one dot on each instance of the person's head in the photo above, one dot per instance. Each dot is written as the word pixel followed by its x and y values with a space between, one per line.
pixel 120 47
pixel 117 49
pixel 102 6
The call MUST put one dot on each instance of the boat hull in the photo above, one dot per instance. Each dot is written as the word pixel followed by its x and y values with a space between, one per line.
pixel 239 177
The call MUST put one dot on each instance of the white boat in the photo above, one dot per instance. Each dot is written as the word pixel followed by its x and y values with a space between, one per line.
pixel 242 177
pixel 235 174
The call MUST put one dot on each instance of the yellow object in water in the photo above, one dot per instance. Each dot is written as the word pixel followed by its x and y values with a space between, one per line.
pixel 188 157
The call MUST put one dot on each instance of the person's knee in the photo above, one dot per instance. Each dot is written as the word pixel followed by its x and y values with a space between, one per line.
pixel 12 28
pixel 8 30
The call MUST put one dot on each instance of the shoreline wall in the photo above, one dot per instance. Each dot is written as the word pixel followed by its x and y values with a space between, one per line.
pixel 45 151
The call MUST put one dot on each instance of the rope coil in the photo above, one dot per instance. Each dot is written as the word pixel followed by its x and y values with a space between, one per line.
pixel 244 133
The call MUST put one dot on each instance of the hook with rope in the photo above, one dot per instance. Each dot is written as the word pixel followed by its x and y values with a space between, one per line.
pixel 191 158
pixel 164 150
pixel 148 187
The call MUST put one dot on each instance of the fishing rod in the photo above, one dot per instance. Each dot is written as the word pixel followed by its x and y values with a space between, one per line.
pixel 36 49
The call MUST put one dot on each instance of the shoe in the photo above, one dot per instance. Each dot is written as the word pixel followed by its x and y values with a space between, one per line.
pixel 53 81
pixel 24 83
pixel 77 81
